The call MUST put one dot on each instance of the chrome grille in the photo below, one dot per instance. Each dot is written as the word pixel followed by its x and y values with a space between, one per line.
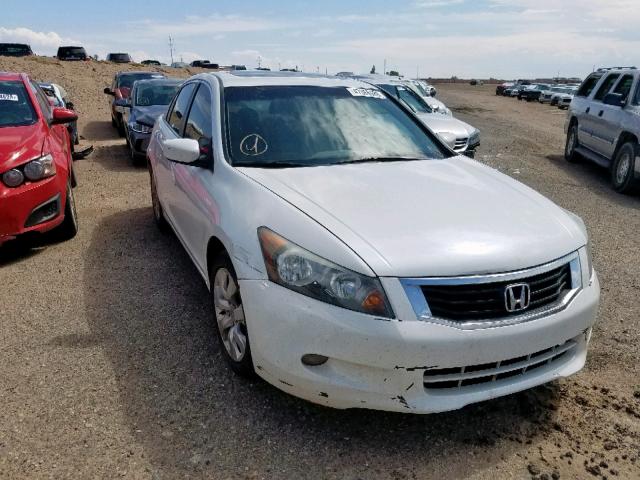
pixel 487 300
pixel 460 377
pixel 461 143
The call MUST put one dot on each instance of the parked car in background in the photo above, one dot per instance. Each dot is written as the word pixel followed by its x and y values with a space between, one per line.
pixel 347 267
pixel 460 136
pixel 603 125
pixel 72 54
pixel 148 100
pixel 205 64
pixel 121 89
pixel 15 50
pixel 119 58
pixel 59 98
pixel 36 169
pixel 502 87
pixel 422 90
pixel 179 65
pixel 532 93
pixel 155 63
pixel 545 95
pixel 565 99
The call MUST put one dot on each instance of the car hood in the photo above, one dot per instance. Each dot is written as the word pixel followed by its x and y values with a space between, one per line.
pixel 429 218
pixel 20 144
pixel 150 113
pixel 439 123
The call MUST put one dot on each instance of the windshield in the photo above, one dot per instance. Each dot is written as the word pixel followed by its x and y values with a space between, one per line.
pixel 15 106
pixel 157 94
pixel 126 80
pixel 309 126
pixel 401 92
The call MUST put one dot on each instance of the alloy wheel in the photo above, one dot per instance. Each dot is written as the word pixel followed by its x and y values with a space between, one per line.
pixel 230 314
pixel 624 165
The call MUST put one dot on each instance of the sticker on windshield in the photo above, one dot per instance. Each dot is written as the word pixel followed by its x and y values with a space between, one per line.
pixel 366 92
pixel 8 97
pixel 253 145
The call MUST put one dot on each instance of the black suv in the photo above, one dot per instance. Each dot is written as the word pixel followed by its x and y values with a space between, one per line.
pixel 72 53
pixel 15 50
pixel 205 64
pixel 119 58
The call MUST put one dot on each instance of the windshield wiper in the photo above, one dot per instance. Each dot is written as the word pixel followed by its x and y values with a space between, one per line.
pixel 272 165
pixel 384 159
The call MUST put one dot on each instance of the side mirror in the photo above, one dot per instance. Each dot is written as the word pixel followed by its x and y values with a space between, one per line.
pixel 123 102
pixel 63 115
pixel 614 99
pixel 108 91
pixel 181 150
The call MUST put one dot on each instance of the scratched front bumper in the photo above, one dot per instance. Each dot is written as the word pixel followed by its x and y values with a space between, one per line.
pixel 380 364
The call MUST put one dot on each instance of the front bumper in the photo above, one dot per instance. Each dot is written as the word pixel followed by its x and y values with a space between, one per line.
pixel 19 207
pixel 139 141
pixel 381 364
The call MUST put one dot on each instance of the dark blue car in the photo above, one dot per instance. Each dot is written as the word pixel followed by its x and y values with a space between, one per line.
pixel 149 100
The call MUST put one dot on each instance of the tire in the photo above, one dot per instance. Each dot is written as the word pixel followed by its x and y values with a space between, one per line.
pixel 113 122
pixel 228 313
pixel 570 154
pixel 158 213
pixel 622 170
pixel 121 131
pixel 69 226
pixel 72 177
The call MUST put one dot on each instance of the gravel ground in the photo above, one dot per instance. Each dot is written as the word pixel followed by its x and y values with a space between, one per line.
pixel 109 367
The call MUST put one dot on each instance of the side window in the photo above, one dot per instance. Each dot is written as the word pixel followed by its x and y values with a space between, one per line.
pixel 179 111
pixel 606 86
pixel 199 124
pixel 637 99
pixel 588 85
pixel 45 106
pixel 624 86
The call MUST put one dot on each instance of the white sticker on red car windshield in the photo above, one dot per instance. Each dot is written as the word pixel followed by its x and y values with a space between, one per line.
pixel 8 97
pixel 366 92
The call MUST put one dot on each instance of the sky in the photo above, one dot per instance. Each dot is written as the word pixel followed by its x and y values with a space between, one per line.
pixel 438 38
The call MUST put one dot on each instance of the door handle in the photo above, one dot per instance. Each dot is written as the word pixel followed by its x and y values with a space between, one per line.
pixel 601 112
pixel 588 110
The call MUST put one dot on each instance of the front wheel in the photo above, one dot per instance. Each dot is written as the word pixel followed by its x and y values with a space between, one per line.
pixel 229 316
pixel 570 153
pixel 623 171
pixel 69 226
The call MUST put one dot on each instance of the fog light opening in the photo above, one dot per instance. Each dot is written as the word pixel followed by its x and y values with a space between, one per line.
pixel 314 360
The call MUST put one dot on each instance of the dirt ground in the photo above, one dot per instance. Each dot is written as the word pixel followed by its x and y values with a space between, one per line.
pixel 110 368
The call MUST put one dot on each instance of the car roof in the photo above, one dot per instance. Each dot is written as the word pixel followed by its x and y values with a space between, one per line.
pixel 159 81
pixel 256 78
pixel 12 76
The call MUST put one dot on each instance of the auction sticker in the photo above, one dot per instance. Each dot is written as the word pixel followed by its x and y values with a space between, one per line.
pixel 8 97
pixel 366 92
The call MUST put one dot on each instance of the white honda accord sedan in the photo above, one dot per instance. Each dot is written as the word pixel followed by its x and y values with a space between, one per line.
pixel 353 259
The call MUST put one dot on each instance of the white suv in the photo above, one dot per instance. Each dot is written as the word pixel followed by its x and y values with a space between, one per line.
pixel 353 259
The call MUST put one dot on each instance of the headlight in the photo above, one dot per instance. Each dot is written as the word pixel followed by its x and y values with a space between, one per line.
pixel 589 266
pixel 474 138
pixel 301 271
pixel 139 128
pixel 40 168
pixel 35 170
pixel 13 178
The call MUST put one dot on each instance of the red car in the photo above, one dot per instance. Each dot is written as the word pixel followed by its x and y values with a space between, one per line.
pixel 36 170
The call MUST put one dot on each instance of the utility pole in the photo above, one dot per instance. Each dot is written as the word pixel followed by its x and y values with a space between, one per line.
pixel 171 48
pixel 384 69
pixel 259 61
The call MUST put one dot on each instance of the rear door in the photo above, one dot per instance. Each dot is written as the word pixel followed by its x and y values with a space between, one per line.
pixel 581 106
pixel 596 139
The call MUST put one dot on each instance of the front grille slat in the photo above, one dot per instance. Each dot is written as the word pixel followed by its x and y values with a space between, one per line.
pixel 486 301
pixel 460 377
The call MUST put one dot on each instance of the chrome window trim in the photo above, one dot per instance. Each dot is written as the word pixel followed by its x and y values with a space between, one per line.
pixel 423 313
